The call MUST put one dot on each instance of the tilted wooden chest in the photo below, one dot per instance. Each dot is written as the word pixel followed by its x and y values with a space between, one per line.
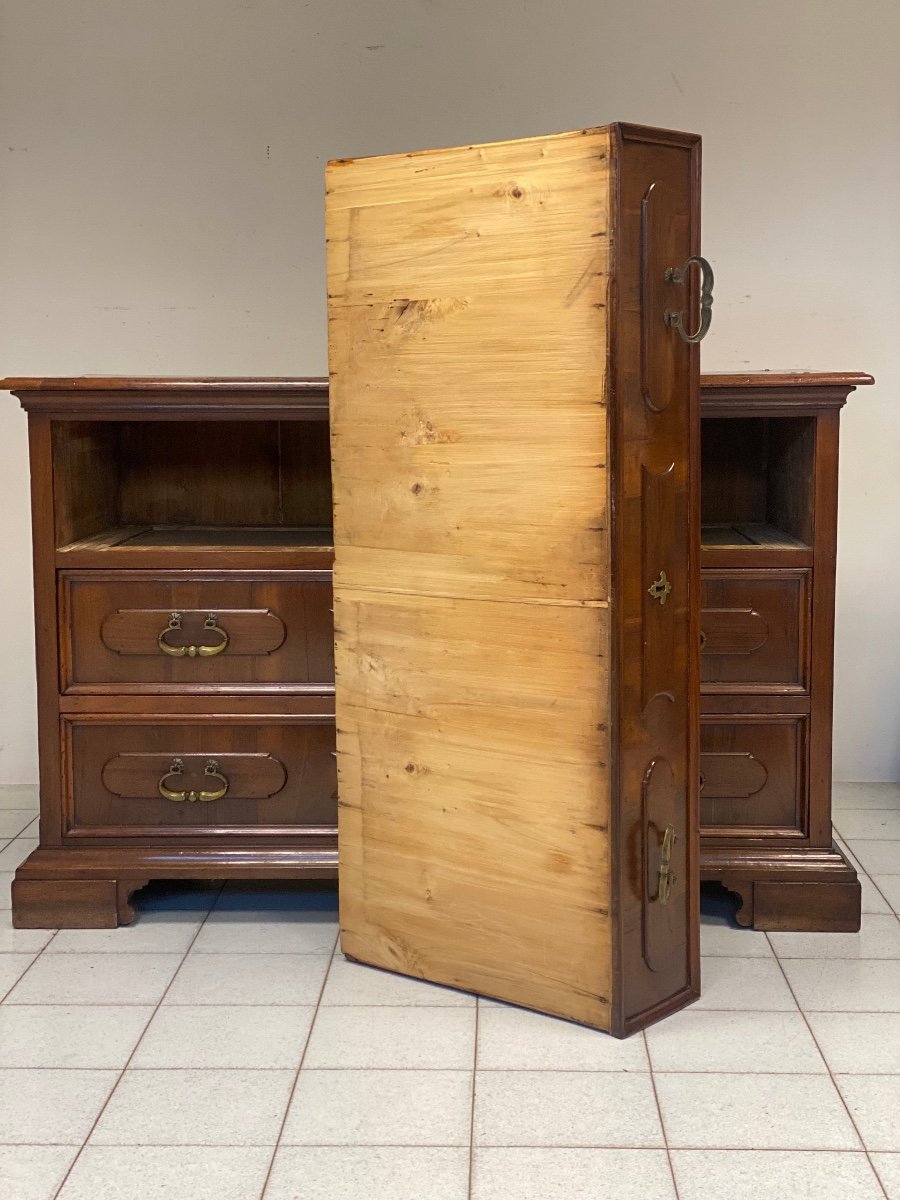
pixel 514 423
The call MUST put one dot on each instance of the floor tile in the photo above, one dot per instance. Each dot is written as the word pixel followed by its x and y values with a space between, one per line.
pixel 565 1108
pixel 352 983
pixel 778 1112
pixel 409 1038
pixel 874 1101
pixel 12 967
pixel 51 1106
pixel 865 795
pixel 876 823
pixel 754 984
pixel 19 795
pixel 284 933
pixel 526 1173
pixel 879 937
pixel 889 886
pixel 373 1172
pixel 151 933
pixel 14 820
pixel 96 979
pixel 774 1175
pixel 512 1039
pixel 16 852
pixel 873 900
pixel 225 1037
pixel 723 941
pixel 380 1108
pixel 859 1043
pixel 168 1173
pixel 21 941
pixel 33 1172
pixel 203 1108
pixel 877 857
pixel 888 1169
pixel 6 878
pixel 47 1035
pixel 864 985
pixel 697 1040
pixel 249 979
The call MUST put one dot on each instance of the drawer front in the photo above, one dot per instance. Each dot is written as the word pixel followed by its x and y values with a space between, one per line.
pixel 755 631
pixel 128 630
pixel 183 776
pixel 753 776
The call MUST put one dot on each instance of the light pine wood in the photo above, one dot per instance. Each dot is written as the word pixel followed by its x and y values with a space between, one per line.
pixel 469 439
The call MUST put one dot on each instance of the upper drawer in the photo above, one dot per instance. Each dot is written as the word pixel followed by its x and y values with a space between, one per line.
pixel 755 631
pixel 183 632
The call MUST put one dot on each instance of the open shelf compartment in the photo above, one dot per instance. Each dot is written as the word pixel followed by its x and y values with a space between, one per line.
pixel 200 487
pixel 758 482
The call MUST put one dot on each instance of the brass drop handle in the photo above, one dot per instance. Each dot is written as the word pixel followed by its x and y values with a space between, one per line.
pixel 660 588
pixel 211 771
pixel 702 640
pixel 675 320
pixel 175 624
pixel 666 879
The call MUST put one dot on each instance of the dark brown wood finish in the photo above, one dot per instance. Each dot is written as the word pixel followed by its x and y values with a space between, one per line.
pixel 654 429
pixel 769 484
pixel 779 857
pixel 208 499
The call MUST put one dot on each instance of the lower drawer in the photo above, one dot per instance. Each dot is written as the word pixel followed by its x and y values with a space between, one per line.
pixel 183 776
pixel 753 775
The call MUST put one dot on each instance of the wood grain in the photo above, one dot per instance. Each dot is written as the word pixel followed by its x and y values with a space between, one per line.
pixel 469 435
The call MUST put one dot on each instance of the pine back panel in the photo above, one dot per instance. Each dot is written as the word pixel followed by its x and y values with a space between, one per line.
pixel 468 293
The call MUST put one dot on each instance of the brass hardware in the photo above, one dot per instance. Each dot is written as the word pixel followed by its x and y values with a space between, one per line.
pixel 675 320
pixel 660 588
pixel 175 623
pixel 702 640
pixel 702 781
pixel 211 771
pixel 666 878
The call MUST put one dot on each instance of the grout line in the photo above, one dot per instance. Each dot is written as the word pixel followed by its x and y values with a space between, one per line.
pixel 290 1099
pixel 134 1050
pixel 659 1113
pixel 834 1082
pixel 465 1070
pixel 450 1146
pixel 471 1176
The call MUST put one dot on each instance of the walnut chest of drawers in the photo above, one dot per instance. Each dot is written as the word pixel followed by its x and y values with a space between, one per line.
pixel 769 473
pixel 182 559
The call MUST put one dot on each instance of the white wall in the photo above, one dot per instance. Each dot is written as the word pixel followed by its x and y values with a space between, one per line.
pixel 161 212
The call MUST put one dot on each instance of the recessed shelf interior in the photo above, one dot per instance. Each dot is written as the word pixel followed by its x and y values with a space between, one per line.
pixel 202 485
pixel 758 483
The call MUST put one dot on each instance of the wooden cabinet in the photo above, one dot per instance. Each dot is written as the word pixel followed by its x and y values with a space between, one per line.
pixel 182 556
pixel 514 431
pixel 769 523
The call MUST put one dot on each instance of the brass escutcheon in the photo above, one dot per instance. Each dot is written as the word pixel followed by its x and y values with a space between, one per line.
pixel 175 624
pixel 660 588
pixel 211 771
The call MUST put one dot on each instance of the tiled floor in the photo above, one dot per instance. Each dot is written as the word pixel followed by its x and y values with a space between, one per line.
pixel 218 1049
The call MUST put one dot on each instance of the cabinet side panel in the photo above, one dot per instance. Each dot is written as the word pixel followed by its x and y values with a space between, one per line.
pixel 654 481
pixel 467 330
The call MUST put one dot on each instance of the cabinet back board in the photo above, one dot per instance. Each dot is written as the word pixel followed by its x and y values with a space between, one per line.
pixel 494 507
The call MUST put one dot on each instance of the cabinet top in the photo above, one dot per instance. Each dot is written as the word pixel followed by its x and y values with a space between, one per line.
pixel 782 379
pixel 106 395
pixel 777 393
pixel 163 383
